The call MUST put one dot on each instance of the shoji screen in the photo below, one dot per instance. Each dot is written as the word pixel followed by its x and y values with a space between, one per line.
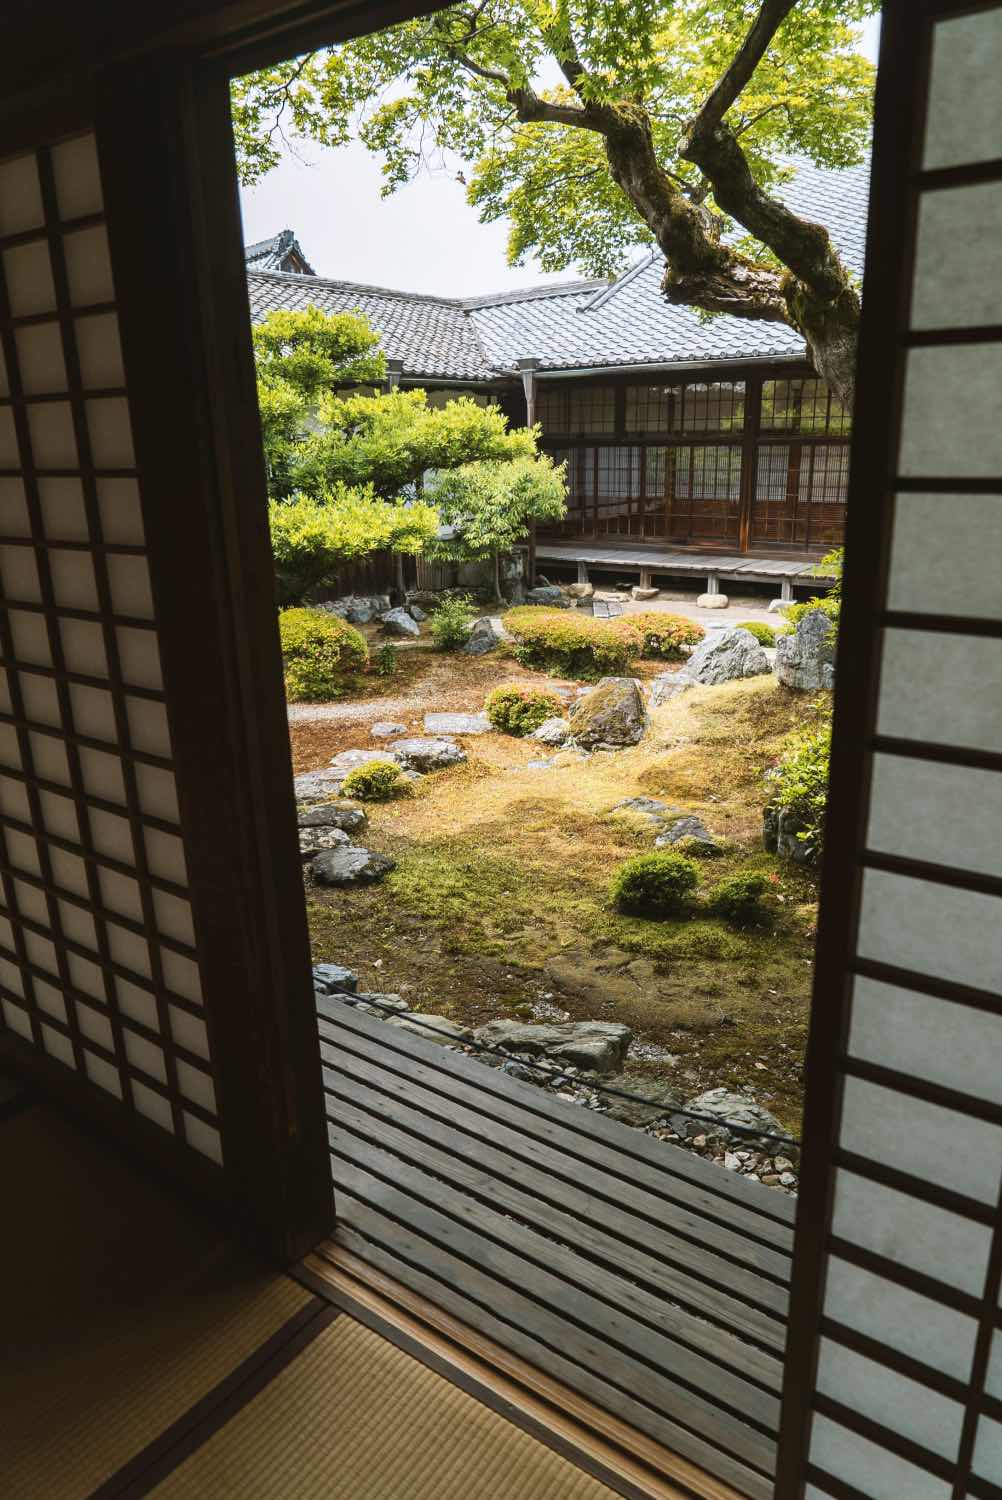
pixel 99 965
pixel 894 1388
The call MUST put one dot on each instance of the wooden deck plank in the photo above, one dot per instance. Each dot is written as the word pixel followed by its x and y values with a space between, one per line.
pixel 747 564
pixel 552 1205
pixel 764 1215
pixel 519 1295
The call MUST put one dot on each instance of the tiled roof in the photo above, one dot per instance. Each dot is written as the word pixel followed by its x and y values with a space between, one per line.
pixel 579 324
pixel 281 253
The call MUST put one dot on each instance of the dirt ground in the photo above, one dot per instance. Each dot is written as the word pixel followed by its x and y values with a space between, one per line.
pixel 498 905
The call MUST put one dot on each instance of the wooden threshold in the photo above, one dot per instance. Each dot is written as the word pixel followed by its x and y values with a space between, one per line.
pixel 609 1449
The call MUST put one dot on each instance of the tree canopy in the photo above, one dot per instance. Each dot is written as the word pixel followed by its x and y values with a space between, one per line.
pixel 598 126
pixel 486 508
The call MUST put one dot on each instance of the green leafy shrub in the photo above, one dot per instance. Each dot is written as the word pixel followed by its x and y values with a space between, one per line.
pixel 801 781
pixel 764 634
pixel 322 653
pixel 450 623
pixel 831 602
pixel 386 659
pixel 653 885
pixel 660 636
pixel 566 644
pixel 739 899
pixel 376 781
pixel 518 710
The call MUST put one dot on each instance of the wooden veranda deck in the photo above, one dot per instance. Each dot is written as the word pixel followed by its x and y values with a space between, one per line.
pixel 714 567
pixel 650 1282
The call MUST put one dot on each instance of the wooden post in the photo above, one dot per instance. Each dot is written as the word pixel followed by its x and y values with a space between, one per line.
pixel 749 460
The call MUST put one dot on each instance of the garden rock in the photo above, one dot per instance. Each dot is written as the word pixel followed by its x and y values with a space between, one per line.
pixel 385 729
pixel 313 786
pixel 548 593
pixel 399 622
pixel 729 1109
pixel 689 828
pixel 433 1028
pixel 427 754
pixel 416 613
pixel 650 809
pixel 581 590
pixel 383 1006
pixel 439 724
pixel 350 760
pixel 554 731
pixel 658 1099
pixel 805 660
pixel 350 866
pixel 610 716
pixel 776 606
pixel 329 979
pixel 312 840
pixel 725 656
pixel 540 765
pixel 712 601
pixel 600 1046
pixel 639 593
pixel 789 844
pixel 333 815
pixel 668 686
pixel 358 609
pixel 486 634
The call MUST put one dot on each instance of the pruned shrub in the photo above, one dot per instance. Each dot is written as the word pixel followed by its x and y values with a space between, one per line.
pixel 660 636
pixel 800 782
pixel 450 623
pixel 764 634
pixel 519 710
pixel 653 885
pixel 567 644
pixel 322 654
pixel 386 659
pixel 739 899
pixel 376 781
pixel 827 603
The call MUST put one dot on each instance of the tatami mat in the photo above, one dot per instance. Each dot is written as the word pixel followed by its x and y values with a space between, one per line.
pixel 121 1310
pixel 355 1418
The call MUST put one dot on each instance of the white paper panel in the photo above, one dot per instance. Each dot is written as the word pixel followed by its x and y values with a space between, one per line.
pixel 121 513
pixel 53 439
pixel 926 810
pixel 911 1233
pixel 88 267
pixel 928 1038
pixel 202 1137
pixel 78 177
pixel 30 287
pixel 988 1450
pixel 63 513
pixel 946 555
pixel 40 359
pixel 950 427
pixel 993 1376
pixel 925 693
pixel 10 455
pixel 932 929
pixel 957 257
pixel 876 1473
pixel 13 510
pixel 103 1074
pixel 964 110
pixel 154 1106
pixel 100 352
pixel 73 583
pixel 917 1326
pixel 904 1406
pixel 20 195
pixel 110 433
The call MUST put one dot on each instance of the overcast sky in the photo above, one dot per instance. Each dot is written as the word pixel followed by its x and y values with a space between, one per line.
pixel 425 238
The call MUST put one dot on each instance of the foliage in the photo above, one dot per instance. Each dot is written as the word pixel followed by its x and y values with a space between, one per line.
pixel 661 636
pixel 563 642
pixel 513 709
pixel 653 885
pixel 322 653
pixel 376 781
pixel 386 659
pixel 312 536
pixel 830 603
pixel 451 621
pixel 739 899
pixel 488 506
pixel 801 779
pixel 764 634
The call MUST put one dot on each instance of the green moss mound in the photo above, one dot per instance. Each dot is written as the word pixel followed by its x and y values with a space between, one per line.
pixel 376 781
pixel 653 885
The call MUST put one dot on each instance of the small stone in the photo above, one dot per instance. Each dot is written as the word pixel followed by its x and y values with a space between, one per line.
pixel 385 729
pixel 787 1179
pixel 581 590
pixel 432 1028
pixel 598 1046
pixel 669 685
pixel 639 593
pixel 541 765
pixel 689 829
pixel 732 1161
pixel 350 760
pixel 399 622
pixel 427 754
pixel 416 613
pixel 712 601
pixel 485 634
pixel 378 1003
pixel 771 1179
pixel 350 866
pixel 555 731
pixel 782 1164
pixel 333 815
pixel 312 840
pixel 328 979
pixel 439 724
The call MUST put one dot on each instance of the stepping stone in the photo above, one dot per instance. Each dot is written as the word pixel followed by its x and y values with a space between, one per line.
pixel 456 724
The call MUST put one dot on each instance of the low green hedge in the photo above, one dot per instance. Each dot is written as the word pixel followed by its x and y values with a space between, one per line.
pixel 653 885
pixel 660 636
pixel 568 644
pixel 739 899
pixel 322 654
pixel 764 634
pixel 519 710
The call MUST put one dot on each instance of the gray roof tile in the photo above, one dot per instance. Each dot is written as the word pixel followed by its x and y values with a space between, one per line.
pixel 579 324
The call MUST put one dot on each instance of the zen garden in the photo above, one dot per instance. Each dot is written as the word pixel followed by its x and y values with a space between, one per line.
pixel 560 752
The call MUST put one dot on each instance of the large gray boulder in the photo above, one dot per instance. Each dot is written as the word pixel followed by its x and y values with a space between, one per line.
pixel 554 731
pixel 651 1100
pixel 599 1046
pixel 333 815
pixel 726 656
pixel 350 760
pixel 399 622
pixel 668 686
pixel 358 609
pixel 805 660
pixel 447 724
pixel 329 979
pixel 313 840
pixel 486 634
pixel 350 865
pixel 612 715
pixel 548 593
pixel 726 1109
pixel 689 827
pixel 427 753
pixel 313 786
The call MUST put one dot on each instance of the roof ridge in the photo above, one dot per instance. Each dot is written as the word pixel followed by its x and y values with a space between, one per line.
pixel 533 293
pixel 358 286
pixel 609 291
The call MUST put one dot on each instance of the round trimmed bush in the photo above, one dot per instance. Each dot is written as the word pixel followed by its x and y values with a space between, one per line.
pixel 654 885
pixel 764 634
pixel 376 781
pixel 518 710
pixel 738 899
pixel 661 636
pixel 322 653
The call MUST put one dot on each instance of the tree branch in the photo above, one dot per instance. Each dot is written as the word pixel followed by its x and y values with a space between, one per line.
pixel 771 15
